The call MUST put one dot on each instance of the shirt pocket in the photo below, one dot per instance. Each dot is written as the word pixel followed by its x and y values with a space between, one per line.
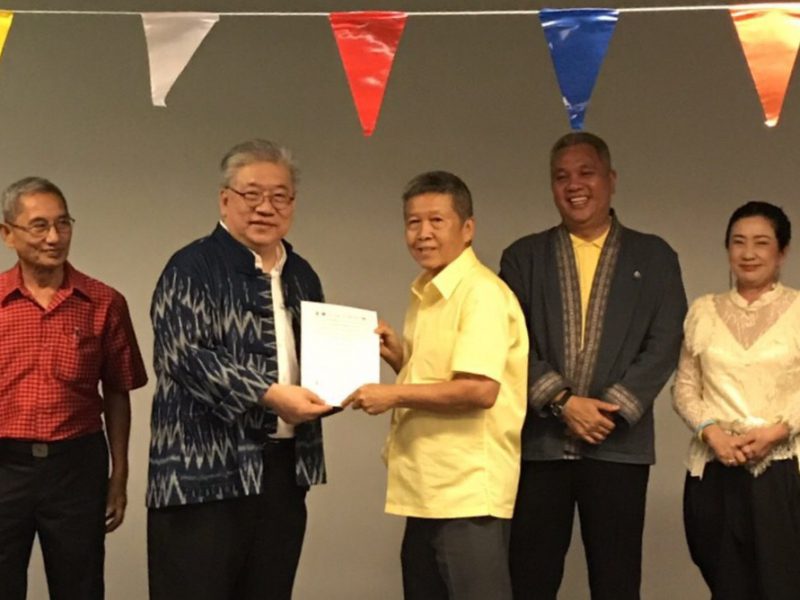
pixel 77 356
pixel 432 355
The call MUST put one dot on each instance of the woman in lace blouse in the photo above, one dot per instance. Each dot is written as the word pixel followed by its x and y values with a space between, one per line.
pixel 738 389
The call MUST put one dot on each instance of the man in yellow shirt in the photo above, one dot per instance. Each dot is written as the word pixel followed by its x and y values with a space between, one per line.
pixel 458 405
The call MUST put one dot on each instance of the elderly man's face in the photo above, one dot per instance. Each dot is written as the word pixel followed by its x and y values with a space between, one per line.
pixel 435 234
pixel 46 251
pixel 260 227
pixel 582 186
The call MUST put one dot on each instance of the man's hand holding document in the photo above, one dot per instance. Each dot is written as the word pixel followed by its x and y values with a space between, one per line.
pixel 339 351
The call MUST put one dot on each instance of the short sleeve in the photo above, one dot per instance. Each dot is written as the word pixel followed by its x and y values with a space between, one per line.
pixel 123 368
pixel 484 332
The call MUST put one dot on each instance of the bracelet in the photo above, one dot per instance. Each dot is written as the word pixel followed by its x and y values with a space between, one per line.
pixel 698 431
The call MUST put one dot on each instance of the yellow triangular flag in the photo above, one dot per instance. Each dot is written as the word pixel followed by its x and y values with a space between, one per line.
pixel 5 26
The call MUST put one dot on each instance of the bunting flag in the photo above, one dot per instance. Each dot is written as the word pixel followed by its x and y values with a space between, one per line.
pixel 172 40
pixel 367 44
pixel 5 27
pixel 578 40
pixel 770 38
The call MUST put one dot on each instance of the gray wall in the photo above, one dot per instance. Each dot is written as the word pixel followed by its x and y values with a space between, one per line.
pixel 473 95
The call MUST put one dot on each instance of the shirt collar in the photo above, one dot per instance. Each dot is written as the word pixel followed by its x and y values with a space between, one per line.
pixel 598 242
pixel 766 298
pixel 277 268
pixel 74 281
pixel 447 280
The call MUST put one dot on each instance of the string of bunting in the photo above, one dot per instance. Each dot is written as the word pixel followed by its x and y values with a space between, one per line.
pixel 578 40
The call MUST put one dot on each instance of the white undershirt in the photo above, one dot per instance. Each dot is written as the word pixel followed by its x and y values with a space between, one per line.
pixel 288 369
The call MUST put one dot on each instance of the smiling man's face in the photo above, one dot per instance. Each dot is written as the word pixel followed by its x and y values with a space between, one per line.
pixel 435 234
pixel 582 185
pixel 262 227
pixel 40 252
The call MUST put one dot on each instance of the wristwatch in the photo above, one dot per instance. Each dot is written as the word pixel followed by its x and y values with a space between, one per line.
pixel 557 406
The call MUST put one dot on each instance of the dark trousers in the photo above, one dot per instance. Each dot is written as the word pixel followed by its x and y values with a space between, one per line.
pixel 744 531
pixel 611 502
pixel 62 499
pixel 234 549
pixel 456 559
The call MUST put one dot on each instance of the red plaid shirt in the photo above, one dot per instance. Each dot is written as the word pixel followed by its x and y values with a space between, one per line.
pixel 51 360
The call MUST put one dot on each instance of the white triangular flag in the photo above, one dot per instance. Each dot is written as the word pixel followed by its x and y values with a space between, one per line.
pixel 172 40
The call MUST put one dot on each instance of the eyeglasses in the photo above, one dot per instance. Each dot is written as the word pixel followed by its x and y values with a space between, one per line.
pixel 254 198
pixel 40 228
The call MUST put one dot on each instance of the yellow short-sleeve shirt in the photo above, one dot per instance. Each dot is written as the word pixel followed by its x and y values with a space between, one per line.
pixel 462 464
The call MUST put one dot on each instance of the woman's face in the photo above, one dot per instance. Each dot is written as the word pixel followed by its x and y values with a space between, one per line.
pixel 753 253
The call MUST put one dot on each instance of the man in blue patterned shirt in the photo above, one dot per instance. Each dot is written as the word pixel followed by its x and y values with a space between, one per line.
pixel 236 442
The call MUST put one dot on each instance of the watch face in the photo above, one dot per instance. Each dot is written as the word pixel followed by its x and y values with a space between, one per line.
pixel 557 406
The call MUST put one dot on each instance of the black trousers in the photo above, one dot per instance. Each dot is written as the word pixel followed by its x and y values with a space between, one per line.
pixel 236 549
pixel 62 499
pixel 611 503
pixel 744 531
pixel 456 559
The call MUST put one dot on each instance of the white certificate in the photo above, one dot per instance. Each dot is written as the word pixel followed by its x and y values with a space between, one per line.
pixel 339 349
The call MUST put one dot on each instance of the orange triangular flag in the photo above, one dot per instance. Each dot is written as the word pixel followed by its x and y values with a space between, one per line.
pixel 770 38
pixel 367 44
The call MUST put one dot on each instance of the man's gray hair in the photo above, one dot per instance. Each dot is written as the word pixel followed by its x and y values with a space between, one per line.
pixel 254 151
pixel 442 182
pixel 25 187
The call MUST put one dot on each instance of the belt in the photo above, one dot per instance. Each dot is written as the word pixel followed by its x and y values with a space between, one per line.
pixel 280 441
pixel 45 449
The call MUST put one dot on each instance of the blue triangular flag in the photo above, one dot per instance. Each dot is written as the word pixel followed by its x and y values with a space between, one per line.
pixel 578 40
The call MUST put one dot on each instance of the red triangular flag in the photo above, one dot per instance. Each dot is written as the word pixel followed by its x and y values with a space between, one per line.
pixel 770 38
pixel 367 44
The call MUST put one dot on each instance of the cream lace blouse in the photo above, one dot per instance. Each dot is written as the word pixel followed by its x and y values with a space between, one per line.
pixel 740 365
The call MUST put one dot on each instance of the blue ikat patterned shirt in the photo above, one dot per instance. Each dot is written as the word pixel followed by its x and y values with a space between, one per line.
pixel 214 358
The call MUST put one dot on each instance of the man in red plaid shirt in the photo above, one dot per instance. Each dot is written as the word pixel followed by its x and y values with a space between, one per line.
pixel 61 334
